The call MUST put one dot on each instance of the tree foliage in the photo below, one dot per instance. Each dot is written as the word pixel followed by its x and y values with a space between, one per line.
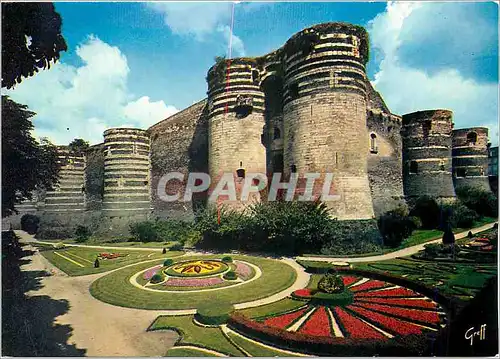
pixel 78 146
pixel 31 39
pixel 26 163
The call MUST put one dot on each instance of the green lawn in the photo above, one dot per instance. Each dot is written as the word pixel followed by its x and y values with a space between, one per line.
pixel 76 261
pixel 211 338
pixel 187 352
pixel 104 244
pixel 256 350
pixel 115 288
pixel 276 307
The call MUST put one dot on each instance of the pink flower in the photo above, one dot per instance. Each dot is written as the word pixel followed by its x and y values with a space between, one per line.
pixel 151 272
pixel 193 282
pixel 243 270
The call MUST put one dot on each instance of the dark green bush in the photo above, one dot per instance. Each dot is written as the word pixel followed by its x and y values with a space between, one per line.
pixel 176 247
pixel 168 262
pixel 96 263
pixel 432 250
pixel 395 228
pixel 483 202
pixel 342 298
pixel 427 209
pixel 315 267
pixel 144 231
pixel 448 236
pixel 164 251
pixel 175 230
pixel 157 278
pixel 214 313
pixel 459 216
pixel 227 259
pixel 351 237
pixel 230 275
pixel 82 234
pixel 30 223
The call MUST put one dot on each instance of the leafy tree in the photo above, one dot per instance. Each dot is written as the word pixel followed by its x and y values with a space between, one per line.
pixel 78 146
pixel 27 164
pixel 31 39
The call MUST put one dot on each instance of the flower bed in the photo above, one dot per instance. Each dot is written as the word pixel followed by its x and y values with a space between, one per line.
pixel 318 324
pixel 196 268
pixel 414 303
pixel 391 292
pixel 404 313
pixel 285 320
pixel 111 255
pixel 151 272
pixel 244 271
pixel 193 282
pixel 371 284
pixel 354 327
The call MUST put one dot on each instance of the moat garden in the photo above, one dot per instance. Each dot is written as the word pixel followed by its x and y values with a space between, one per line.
pixel 415 294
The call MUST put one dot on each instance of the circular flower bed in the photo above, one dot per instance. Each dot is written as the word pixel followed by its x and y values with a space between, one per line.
pixel 377 310
pixel 196 268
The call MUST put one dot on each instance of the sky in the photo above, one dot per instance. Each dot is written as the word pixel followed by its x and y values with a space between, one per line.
pixel 134 64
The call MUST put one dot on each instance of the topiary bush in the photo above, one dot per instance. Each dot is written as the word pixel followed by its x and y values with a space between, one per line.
pixel 331 283
pixel 168 262
pixel 82 234
pixel 231 275
pixel 459 216
pixel 214 313
pixel 144 231
pixel 227 259
pixel 157 278
pixel 30 223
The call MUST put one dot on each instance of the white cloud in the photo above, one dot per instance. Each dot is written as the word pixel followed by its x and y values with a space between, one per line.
pixel 237 46
pixel 83 101
pixel 409 89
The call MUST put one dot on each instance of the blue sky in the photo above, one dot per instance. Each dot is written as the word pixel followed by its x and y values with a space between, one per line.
pixel 136 63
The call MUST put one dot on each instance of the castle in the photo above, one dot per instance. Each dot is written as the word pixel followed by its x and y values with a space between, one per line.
pixel 306 107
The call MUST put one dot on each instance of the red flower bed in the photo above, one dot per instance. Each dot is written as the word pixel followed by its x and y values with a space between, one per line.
pixel 481 239
pixel 283 321
pixel 371 284
pixel 415 303
pixel 413 314
pixel 302 293
pixel 110 255
pixel 355 328
pixel 395 292
pixel 317 324
pixel 392 324
pixel 348 280
pixel 487 248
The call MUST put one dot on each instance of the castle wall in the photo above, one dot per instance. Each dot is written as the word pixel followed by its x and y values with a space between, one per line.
pixel 94 177
pixel 427 165
pixel 470 158
pixel 179 144
pixel 235 138
pixel 325 113
pixel 385 166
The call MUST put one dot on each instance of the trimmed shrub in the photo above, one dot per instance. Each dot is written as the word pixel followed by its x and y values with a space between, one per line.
pixel 214 313
pixel 227 259
pixel 331 283
pixel 176 247
pixel 30 223
pixel 352 237
pixel 175 230
pixel 144 231
pixel 427 209
pixel 82 234
pixel 231 275
pixel 432 250
pixel 168 262
pixel 157 278
pixel 448 236
pixel 342 298
pixel 483 202
pixel 315 267
pixel 96 263
pixel 395 228
pixel 164 251
pixel 470 235
pixel 459 216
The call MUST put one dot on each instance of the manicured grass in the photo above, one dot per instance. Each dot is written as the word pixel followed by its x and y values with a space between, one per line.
pixel 256 350
pixel 105 244
pixel 116 289
pixel 210 338
pixel 276 307
pixel 76 261
pixel 420 236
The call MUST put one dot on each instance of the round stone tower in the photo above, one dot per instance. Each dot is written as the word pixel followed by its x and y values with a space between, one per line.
pixel 427 164
pixel 325 111
pixel 69 194
pixel 126 174
pixel 470 157
pixel 236 122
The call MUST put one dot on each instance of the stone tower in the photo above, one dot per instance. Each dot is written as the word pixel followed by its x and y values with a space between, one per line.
pixel 325 128
pixel 427 163
pixel 69 194
pixel 470 157
pixel 236 122
pixel 126 174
